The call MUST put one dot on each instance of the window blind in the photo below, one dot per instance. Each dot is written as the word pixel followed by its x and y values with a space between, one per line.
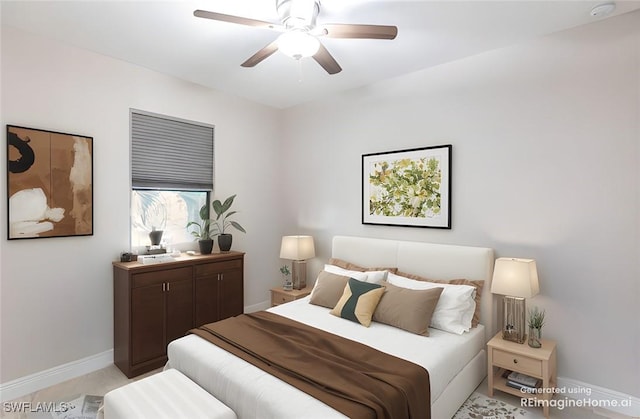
pixel 169 153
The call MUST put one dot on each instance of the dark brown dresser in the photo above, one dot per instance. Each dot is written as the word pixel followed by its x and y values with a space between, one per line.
pixel 154 304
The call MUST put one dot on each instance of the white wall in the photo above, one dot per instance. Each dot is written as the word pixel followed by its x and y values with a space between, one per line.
pixel 56 294
pixel 545 142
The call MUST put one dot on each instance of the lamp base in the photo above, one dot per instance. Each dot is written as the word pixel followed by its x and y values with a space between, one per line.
pixel 299 274
pixel 513 322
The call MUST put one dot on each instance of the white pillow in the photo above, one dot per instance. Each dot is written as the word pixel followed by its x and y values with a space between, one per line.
pixel 455 307
pixel 373 277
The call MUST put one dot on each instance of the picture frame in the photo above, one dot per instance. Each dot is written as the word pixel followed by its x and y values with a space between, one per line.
pixel 408 188
pixel 49 184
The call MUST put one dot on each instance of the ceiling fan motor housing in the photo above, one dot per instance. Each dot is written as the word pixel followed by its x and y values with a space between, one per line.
pixel 298 14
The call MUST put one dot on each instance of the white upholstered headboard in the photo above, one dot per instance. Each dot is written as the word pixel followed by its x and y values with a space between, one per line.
pixel 436 261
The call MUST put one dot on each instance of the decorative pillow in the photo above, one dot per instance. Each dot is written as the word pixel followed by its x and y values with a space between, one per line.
pixel 455 307
pixel 353 267
pixel 328 289
pixel 478 284
pixel 358 302
pixel 407 309
pixel 374 277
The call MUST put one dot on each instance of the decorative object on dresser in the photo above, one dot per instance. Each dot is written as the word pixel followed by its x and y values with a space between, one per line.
pixel 157 303
pixel 515 279
pixel 410 188
pixel 522 371
pixel 281 296
pixel 222 222
pixel 49 184
pixel 151 216
pixel 287 284
pixel 298 249
pixel 203 233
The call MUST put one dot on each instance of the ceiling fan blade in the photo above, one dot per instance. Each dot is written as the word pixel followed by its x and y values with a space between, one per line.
pixel 326 60
pixel 259 56
pixel 338 30
pixel 235 19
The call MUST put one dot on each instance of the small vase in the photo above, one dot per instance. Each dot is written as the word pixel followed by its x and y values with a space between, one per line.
pixel 287 284
pixel 534 337
pixel 155 236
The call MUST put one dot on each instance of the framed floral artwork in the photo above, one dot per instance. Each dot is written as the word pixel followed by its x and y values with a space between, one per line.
pixel 49 184
pixel 410 188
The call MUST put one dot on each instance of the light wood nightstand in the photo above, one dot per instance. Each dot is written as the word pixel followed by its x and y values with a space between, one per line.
pixel 280 296
pixel 539 363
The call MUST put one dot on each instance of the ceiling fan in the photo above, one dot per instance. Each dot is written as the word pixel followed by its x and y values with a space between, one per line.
pixel 300 33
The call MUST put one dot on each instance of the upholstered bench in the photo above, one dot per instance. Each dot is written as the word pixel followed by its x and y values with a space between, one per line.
pixel 168 394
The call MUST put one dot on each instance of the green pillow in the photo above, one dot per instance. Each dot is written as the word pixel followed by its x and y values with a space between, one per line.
pixel 359 301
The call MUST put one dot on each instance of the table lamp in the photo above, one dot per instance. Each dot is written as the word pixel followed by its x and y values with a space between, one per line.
pixel 298 249
pixel 516 279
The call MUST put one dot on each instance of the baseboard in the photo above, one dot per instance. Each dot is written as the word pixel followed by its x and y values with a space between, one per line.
pixel 43 379
pixel 257 307
pixel 595 397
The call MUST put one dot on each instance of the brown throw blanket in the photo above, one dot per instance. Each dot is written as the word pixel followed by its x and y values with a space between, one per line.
pixel 355 379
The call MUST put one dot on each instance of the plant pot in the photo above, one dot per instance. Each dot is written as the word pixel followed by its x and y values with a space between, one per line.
pixel 206 246
pixel 155 236
pixel 224 242
pixel 287 285
pixel 535 334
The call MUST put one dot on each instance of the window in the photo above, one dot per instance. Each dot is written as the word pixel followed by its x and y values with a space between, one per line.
pixel 172 176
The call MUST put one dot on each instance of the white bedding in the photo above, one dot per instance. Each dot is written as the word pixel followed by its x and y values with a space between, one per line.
pixel 252 393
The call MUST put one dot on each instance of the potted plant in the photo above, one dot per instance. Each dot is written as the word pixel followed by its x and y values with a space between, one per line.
pixel 287 284
pixel 536 321
pixel 152 210
pixel 202 233
pixel 222 222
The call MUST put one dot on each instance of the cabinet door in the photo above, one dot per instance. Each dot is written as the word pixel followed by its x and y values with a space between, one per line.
pixel 206 299
pixel 179 300
pixel 219 290
pixel 148 339
pixel 231 293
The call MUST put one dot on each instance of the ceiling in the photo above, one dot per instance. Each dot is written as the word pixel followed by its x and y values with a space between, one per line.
pixel 165 36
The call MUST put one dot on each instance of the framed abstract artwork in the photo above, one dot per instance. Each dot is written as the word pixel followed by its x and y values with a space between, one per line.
pixel 49 184
pixel 410 188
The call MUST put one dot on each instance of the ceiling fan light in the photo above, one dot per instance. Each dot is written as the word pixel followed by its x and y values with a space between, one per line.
pixel 296 44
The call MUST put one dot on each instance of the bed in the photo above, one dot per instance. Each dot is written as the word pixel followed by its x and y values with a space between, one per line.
pixel 456 362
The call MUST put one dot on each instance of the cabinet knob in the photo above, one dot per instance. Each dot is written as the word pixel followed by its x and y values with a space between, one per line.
pixel 515 361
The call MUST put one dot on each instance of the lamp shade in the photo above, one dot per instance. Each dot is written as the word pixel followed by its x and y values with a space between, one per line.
pixel 515 277
pixel 297 248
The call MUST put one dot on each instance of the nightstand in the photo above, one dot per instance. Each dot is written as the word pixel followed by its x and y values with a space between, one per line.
pixel 539 363
pixel 280 296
